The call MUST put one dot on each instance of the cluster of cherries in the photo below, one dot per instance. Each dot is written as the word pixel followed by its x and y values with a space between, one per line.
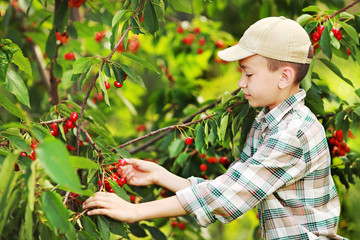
pixel 338 147
pixel 315 37
pixel 99 36
pixel 116 83
pixel 76 3
pixel 133 45
pixel 113 176
pixel 190 38
pixel 62 38
pixel 181 225
pixel 32 155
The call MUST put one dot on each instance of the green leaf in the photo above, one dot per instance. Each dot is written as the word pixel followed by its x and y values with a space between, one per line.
pixel 155 233
pixel 150 19
pixel 119 190
pixel 314 102
pixel 90 227
pixel 181 159
pixel 51 46
pixel 40 132
pixel 223 126
pixel 113 37
pixel 141 62
pixel 132 75
pixel 55 159
pixel 182 5
pixel 4 64
pixel 199 137
pixel 16 86
pixel 103 226
pixel 306 82
pixel 119 16
pixel 358 92
pixel 336 70
pixel 245 128
pixel 56 212
pixel 304 19
pixel 22 62
pixel 83 163
pixel 325 40
pixel 117 228
pixel 311 8
pixel 103 88
pixel 119 73
pixel 61 16
pixel 107 70
pixel 135 28
pixel 81 65
pixel 8 105
pixel 351 31
pixel 176 147
pixel 58 71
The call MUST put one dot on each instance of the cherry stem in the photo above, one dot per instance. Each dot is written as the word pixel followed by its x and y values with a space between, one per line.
pixel 83 105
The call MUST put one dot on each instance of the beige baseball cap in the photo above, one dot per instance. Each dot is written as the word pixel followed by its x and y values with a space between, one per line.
pixel 273 37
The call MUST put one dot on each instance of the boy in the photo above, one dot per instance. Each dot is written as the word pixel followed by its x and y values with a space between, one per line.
pixel 285 164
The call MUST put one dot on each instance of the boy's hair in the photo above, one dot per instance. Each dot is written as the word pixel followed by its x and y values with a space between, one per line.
pixel 301 69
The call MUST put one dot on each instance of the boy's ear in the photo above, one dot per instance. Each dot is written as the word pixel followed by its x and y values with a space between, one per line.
pixel 287 77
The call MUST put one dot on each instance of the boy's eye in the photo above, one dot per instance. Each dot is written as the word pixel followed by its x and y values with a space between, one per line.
pixel 249 74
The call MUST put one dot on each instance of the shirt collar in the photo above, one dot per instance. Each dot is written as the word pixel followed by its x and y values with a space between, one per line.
pixel 273 117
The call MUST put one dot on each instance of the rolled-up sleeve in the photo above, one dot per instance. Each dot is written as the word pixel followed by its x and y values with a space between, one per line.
pixel 277 161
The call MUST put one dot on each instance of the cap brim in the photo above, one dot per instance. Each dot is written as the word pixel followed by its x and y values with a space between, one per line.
pixel 234 53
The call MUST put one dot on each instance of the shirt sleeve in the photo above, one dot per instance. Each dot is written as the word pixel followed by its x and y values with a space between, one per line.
pixel 277 161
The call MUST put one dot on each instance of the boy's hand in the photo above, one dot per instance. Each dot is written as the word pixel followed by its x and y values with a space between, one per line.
pixel 111 205
pixel 140 173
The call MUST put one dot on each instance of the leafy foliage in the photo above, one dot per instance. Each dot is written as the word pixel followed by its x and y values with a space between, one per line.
pixel 59 57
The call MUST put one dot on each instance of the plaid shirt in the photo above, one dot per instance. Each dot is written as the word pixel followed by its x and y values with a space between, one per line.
pixel 284 168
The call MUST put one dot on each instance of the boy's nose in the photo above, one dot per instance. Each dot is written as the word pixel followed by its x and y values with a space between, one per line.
pixel 242 83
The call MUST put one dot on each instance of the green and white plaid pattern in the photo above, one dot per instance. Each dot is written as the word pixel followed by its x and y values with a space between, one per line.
pixel 284 169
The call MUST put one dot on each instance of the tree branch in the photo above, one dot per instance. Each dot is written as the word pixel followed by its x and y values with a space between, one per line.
pixel 83 105
pixel 343 9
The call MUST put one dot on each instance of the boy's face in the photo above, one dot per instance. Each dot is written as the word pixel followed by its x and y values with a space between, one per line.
pixel 259 85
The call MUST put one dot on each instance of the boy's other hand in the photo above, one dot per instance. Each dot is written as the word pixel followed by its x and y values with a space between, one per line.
pixel 111 205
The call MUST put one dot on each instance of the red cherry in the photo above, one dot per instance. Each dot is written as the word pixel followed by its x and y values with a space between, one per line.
pixel 320 29
pixel 174 224
pixel 224 160
pixel 32 155
pixel 141 128
pixel 54 126
pixel 188 140
pixel 134 44
pixel 125 76
pixel 315 36
pixel 200 51
pixel 87 139
pixel 69 56
pixel 121 162
pixel 54 132
pixel 133 198
pixel 16 167
pixel 220 43
pixel 34 144
pixel 338 36
pixel 73 116
pixel 202 41
pixel 335 31
pixel 69 124
pixel 114 177
pixel 197 30
pixel 339 135
pixel 70 148
pixel 203 167
pixel 99 36
pixel 348 51
pixel 107 85
pixel 179 29
pixel 23 154
pixel 65 129
pixel 117 84
pixel 121 181
pixel 182 226
pixel 81 143
pixel 99 183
